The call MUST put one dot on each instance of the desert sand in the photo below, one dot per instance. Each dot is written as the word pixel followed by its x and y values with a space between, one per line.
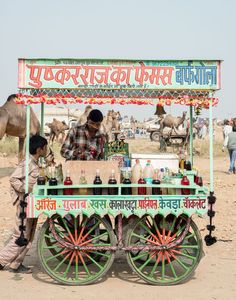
pixel 215 277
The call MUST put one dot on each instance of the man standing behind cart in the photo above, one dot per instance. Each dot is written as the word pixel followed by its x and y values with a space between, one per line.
pixel 85 142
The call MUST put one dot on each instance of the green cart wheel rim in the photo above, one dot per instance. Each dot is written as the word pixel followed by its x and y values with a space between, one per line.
pixel 76 267
pixel 164 267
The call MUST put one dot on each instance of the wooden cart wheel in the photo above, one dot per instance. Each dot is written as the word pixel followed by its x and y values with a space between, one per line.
pixel 164 267
pixel 73 266
pixel 54 246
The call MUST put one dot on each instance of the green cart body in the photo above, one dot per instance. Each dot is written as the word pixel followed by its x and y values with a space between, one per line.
pixel 78 242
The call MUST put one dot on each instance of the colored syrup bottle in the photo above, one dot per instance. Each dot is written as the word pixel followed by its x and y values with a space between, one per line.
pixel 68 181
pixel 187 165
pixel 156 190
pixel 52 182
pixel 126 190
pixel 83 180
pixel 185 181
pixel 198 180
pixel 97 180
pixel 112 180
pixel 142 190
pixel 41 180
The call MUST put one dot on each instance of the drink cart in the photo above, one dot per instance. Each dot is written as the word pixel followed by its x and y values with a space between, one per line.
pixel 78 242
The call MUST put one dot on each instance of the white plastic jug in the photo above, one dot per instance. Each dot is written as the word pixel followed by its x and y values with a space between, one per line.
pixel 136 171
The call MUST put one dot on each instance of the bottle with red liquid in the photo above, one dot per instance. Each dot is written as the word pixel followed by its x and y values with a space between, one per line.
pixel 112 180
pixel 97 180
pixel 198 179
pixel 126 190
pixel 142 190
pixel 185 181
pixel 156 190
pixel 68 181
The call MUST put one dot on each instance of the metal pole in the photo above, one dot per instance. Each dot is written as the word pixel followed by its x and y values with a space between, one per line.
pixel 27 148
pixel 42 120
pixel 191 134
pixel 211 146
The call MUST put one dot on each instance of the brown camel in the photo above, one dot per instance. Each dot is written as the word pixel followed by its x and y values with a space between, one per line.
pixel 13 122
pixel 83 118
pixel 56 128
pixel 172 122
pixel 110 123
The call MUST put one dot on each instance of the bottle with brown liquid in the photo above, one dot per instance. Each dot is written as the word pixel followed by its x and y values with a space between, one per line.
pixel 97 180
pixel 126 190
pixel 156 190
pixel 52 182
pixel 112 180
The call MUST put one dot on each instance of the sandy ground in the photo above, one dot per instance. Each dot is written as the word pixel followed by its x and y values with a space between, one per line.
pixel 214 278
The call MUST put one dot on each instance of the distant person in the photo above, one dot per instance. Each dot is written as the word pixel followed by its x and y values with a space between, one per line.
pixel 226 129
pixel 230 143
pixel 12 254
pixel 203 131
pixel 86 141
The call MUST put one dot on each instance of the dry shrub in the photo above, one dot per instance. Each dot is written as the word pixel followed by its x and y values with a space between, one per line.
pixel 9 146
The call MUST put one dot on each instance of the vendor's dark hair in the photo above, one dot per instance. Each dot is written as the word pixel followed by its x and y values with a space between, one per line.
pixel 234 128
pixel 95 115
pixel 36 141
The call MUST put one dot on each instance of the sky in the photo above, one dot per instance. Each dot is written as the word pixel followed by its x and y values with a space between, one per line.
pixel 123 29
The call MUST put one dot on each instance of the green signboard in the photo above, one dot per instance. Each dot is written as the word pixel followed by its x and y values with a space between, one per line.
pixel 113 205
pixel 119 74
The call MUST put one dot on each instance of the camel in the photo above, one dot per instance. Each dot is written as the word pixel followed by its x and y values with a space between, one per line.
pixel 13 122
pixel 83 118
pixel 110 123
pixel 56 128
pixel 172 122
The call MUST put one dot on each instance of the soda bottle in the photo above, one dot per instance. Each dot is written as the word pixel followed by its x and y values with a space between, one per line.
pixel 141 190
pixel 156 190
pixel 97 180
pixel 41 180
pixel 52 182
pixel 68 181
pixel 112 180
pixel 185 181
pixel 83 180
pixel 137 168
pixel 126 190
